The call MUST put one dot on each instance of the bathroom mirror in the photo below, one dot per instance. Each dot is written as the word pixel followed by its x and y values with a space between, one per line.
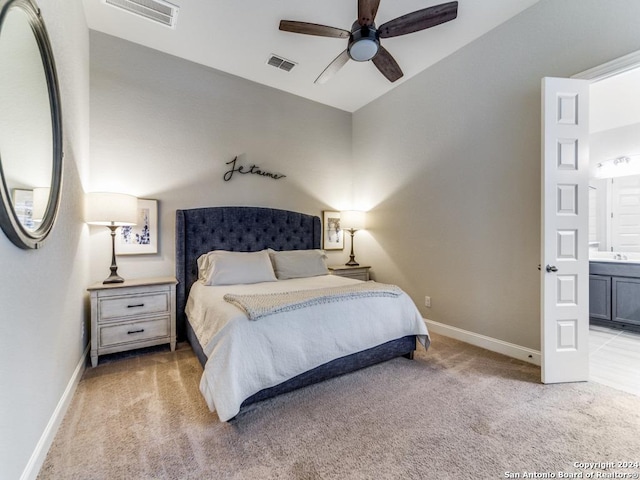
pixel 614 151
pixel 30 126
pixel 614 216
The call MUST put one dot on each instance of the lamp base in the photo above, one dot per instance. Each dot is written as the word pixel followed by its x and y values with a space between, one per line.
pixel 352 258
pixel 114 277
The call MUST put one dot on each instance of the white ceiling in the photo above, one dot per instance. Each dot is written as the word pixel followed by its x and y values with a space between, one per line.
pixel 239 36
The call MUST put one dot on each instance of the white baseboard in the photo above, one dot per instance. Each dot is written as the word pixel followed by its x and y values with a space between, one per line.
pixel 40 453
pixel 488 343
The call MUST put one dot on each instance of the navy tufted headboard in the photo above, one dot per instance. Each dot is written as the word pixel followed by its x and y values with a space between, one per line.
pixel 240 229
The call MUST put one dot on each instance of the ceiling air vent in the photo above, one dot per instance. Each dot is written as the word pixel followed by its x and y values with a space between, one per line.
pixel 281 63
pixel 155 10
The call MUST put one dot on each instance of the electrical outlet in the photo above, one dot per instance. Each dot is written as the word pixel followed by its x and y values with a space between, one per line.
pixel 427 302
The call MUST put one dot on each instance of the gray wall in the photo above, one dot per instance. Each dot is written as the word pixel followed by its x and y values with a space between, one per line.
pixel 163 128
pixel 42 326
pixel 449 163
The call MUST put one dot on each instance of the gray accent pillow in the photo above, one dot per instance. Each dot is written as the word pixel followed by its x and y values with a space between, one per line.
pixel 222 267
pixel 298 263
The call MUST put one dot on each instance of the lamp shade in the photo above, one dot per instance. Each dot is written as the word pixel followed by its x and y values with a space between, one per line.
pixel 110 209
pixel 352 220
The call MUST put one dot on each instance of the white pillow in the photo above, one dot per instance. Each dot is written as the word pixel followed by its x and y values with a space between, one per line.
pixel 221 267
pixel 298 263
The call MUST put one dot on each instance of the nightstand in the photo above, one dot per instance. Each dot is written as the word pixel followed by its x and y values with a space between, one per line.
pixel 134 314
pixel 359 273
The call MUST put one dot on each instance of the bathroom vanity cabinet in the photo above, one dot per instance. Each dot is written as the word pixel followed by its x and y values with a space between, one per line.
pixel 614 294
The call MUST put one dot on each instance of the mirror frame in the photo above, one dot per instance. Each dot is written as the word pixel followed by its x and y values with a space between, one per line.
pixel 9 222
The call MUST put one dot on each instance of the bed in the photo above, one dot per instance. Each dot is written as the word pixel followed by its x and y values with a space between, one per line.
pixel 256 229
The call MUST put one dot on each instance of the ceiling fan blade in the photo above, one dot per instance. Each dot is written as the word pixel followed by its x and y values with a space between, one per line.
pixel 313 29
pixel 416 21
pixel 367 10
pixel 387 64
pixel 333 67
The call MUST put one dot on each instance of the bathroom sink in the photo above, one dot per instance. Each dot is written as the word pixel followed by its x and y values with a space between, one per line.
pixel 614 257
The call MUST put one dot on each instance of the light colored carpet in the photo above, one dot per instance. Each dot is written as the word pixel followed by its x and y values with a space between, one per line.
pixel 455 412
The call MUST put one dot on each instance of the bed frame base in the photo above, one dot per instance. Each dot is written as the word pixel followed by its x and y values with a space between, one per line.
pixel 404 347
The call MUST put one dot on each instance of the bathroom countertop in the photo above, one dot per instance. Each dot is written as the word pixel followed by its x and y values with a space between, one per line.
pixel 618 268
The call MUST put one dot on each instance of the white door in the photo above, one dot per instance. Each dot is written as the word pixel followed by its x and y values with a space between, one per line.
pixel 625 217
pixel 565 230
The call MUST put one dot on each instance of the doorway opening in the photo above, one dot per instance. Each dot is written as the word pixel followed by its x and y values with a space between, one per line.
pixel 614 224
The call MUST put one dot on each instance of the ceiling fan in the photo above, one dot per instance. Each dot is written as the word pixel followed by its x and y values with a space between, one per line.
pixel 364 37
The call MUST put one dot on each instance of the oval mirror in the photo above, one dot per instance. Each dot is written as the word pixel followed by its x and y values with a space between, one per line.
pixel 30 126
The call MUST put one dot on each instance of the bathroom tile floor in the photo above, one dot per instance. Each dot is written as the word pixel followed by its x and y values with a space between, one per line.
pixel 614 358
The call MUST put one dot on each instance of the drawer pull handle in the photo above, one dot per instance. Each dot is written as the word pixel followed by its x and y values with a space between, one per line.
pixel 136 331
pixel 136 306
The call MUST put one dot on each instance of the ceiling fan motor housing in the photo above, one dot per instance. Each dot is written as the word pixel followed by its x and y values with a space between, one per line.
pixel 364 42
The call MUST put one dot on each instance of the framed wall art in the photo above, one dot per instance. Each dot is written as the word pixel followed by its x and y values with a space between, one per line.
pixel 142 238
pixel 23 206
pixel 332 235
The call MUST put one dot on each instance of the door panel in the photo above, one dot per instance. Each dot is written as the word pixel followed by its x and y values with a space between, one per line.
pixel 600 297
pixel 626 300
pixel 565 230
pixel 625 222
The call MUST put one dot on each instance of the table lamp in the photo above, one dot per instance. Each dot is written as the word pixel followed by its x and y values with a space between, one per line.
pixel 112 210
pixel 352 221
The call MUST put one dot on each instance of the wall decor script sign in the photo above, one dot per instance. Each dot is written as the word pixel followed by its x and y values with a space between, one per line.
pixel 254 169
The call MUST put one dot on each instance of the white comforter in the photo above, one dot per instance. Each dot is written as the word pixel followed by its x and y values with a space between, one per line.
pixel 247 356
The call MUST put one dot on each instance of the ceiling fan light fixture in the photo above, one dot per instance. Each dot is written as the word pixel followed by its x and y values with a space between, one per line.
pixel 363 44
pixel 363 50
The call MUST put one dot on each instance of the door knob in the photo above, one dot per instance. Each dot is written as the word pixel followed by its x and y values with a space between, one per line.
pixel 552 268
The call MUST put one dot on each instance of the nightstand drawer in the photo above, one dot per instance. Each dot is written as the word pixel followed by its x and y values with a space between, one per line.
pixel 355 272
pixel 364 276
pixel 119 307
pixel 134 332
